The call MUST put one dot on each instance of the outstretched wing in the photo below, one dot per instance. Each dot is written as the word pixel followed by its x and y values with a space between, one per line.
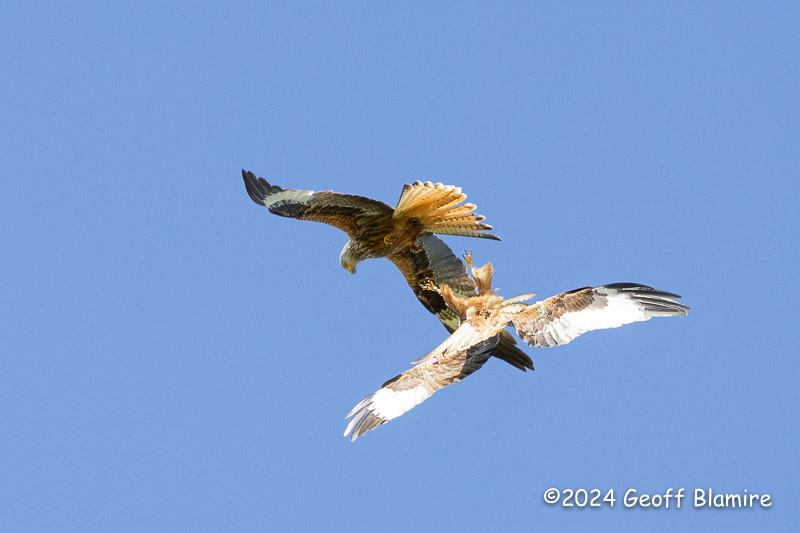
pixel 407 390
pixel 344 211
pixel 559 319
pixel 435 261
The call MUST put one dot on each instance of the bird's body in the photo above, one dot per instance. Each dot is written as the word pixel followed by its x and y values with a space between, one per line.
pixel 376 229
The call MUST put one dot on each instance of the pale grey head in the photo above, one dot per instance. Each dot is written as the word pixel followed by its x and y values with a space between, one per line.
pixel 351 256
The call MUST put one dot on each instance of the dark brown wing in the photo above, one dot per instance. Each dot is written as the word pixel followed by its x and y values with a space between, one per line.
pixel 435 261
pixel 407 390
pixel 559 319
pixel 347 212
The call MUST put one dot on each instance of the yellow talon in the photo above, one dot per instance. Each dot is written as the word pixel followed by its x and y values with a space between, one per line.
pixel 387 240
pixel 414 248
pixel 468 258
pixel 428 285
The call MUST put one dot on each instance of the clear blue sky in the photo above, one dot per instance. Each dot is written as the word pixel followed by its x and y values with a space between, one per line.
pixel 176 358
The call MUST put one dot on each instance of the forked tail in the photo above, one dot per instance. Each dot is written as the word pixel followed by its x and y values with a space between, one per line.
pixel 435 207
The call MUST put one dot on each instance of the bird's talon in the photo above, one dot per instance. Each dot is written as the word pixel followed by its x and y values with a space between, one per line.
pixel 428 285
pixel 468 258
pixel 387 240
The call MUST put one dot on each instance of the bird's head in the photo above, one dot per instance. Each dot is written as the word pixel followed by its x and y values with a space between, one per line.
pixel 349 258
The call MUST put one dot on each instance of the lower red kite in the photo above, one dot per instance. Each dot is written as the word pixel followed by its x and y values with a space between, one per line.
pixel 551 322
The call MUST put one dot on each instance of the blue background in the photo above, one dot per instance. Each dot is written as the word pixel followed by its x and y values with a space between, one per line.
pixel 176 358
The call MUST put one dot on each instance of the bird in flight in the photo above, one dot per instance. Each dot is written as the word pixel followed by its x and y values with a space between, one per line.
pixel 376 229
pixel 403 234
pixel 551 322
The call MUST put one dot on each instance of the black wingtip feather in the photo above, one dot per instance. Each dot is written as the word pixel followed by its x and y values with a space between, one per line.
pixel 258 188
pixel 644 289
pixel 663 305
pixel 654 300
pixel 253 187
